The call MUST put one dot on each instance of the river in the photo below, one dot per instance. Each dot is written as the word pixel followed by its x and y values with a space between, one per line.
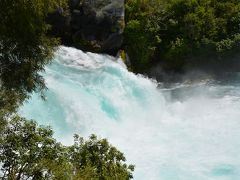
pixel 189 131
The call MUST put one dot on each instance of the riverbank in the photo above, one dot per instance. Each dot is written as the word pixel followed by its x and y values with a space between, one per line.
pixel 170 38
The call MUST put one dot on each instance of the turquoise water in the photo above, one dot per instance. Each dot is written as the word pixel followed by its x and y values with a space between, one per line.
pixel 187 132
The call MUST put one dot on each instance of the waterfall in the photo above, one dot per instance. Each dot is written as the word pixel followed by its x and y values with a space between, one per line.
pixel 187 132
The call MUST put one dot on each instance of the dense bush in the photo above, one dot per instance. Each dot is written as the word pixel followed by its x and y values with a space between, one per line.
pixel 187 31
pixel 143 23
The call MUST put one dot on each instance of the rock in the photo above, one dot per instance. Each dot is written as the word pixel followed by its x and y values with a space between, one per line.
pixel 92 25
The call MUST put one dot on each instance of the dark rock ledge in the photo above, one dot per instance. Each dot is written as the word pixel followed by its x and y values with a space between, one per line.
pixel 90 25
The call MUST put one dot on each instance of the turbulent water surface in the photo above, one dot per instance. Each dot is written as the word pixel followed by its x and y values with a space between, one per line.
pixel 189 132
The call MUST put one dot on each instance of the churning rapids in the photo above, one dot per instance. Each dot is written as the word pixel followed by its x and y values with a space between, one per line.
pixel 189 132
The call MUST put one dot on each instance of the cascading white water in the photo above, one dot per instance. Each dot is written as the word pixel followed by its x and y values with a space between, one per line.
pixel 190 132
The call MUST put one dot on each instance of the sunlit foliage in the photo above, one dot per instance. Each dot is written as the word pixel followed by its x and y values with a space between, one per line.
pixel 29 151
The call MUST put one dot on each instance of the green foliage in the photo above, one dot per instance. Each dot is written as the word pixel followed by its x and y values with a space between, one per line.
pixel 141 32
pixel 30 151
pixel 195 29
pixel 98 156
pixel 24 47
pixel 229 44
pixel 27 150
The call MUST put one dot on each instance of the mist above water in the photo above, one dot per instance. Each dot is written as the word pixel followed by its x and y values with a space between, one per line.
pixel 189 131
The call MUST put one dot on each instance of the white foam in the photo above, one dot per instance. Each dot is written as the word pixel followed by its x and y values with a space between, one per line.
pixel 187 133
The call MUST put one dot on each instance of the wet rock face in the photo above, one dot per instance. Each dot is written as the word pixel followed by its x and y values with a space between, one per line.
pixel 92 25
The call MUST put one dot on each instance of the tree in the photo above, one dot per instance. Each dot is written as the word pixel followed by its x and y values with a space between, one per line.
pixel 181 33
pixel 102 160
pixel 143 23
pixel 208 30
pixel 29 151
pixel 24 47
